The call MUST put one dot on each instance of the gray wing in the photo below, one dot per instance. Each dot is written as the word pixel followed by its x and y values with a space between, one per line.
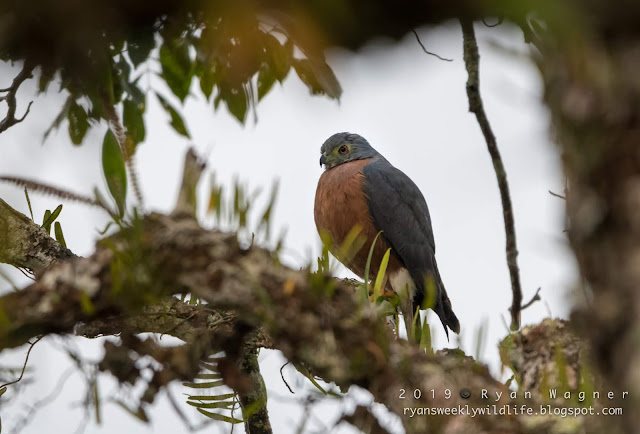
pixel 399 209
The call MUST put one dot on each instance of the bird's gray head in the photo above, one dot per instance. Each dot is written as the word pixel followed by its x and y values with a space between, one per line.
pixel 344 147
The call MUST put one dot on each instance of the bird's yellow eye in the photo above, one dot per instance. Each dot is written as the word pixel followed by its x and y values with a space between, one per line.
pixel 343 149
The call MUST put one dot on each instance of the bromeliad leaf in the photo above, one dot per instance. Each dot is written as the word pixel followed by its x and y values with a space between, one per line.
pixel 377 287
pixel 50 217
pixel 78 123
pixel 177 68
pixel 59 235
pixel 176 120
pixel 114 170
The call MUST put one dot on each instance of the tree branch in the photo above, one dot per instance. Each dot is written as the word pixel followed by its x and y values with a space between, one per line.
pixel 314 320
pixel 472 63
pixel 24 244
pixel 10 97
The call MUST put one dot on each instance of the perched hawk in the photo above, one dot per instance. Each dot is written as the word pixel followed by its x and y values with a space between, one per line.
pixel 360 187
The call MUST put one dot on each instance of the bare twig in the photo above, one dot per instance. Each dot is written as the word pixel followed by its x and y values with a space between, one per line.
pixel 283 380
pixel 24 365
pixel 10 97
pixel 557 195
pixel 51 191
pixel 535 298
pixel 427 51
pixel 472 63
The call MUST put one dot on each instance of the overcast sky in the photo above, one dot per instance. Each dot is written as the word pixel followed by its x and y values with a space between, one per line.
pixel 413 109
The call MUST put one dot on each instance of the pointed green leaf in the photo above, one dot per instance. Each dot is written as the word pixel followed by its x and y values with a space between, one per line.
pixel 204 385
pixel 425 338
pixel 177 68
pixel 318 77
pixel 133 118
pixel 219 417
pixel 207 78
pixel 211 397
pixel 266 79
pixel 50 217
pixel 176 120
pixel 140 46
pixel 59 235
pixel 114 170
pixel 278 56
pixel 219 404
pixel 47 216
pixel 367 268
pixel 377 287
pixel 236 99
pixel 78 123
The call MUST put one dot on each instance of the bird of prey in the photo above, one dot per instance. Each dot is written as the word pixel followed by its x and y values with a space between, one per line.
pixel 359 187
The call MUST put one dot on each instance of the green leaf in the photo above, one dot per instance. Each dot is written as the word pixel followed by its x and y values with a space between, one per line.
pixel 425 337
pixel 177 68
pixel 78 123
pixel 367 268
pixel 219 417
pixel 207 79
pixel 140 46
pixel 46 76
pixel 59 235
pixel 266 80
pixel 236 100
pixel 211 397
pixel 204 385
pixel 114 170
pixel 176 120
pixel 47 216
pixel 219 404
pixel 318 77
pixel 377 287
pixel 50 217
pixel 26 194
pixel 278 56
pixel 133 118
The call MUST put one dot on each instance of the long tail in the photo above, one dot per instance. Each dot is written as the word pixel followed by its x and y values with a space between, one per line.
pixel 443 305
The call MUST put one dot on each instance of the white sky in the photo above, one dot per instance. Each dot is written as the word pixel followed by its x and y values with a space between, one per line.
pixel 413 109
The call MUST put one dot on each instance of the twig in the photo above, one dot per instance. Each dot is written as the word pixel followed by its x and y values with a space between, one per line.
pixel 24 366
pixel 472 63
pixel 10 118
pixel 427 51
pixel 51 191
pixel 283 380
pixel 535 298
pixel 557 195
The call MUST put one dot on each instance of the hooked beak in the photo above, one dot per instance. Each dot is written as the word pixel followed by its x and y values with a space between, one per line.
pixel 323 160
